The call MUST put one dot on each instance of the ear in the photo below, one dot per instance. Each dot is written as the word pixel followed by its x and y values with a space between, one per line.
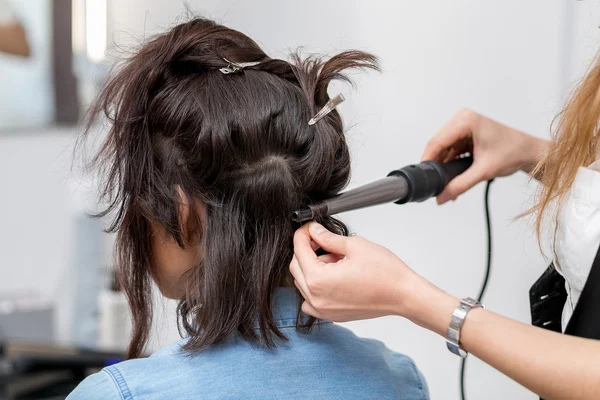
pixel 184 207
pixel 190 227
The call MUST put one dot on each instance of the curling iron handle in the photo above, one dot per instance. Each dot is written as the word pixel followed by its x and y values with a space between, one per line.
pixel 428 179
pixel 456 167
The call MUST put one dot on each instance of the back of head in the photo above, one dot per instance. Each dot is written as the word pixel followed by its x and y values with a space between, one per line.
pixel 239 144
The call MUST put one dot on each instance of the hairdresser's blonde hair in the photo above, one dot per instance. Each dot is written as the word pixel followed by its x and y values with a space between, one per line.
pixel 575 143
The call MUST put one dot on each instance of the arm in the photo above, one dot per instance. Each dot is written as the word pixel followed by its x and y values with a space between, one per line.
pixel 497 149
pixel 571 370
pixel 361 280
pixel 13 40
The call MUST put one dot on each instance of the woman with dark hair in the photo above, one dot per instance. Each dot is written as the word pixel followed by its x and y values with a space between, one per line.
pixel 209 152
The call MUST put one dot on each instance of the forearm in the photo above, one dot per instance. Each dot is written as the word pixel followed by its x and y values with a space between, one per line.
pixel 13 40
pixel 552 365
pixel 533 149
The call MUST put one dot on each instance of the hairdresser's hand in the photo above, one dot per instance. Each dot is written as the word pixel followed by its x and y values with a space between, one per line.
pixel 497 150
pixel 360 280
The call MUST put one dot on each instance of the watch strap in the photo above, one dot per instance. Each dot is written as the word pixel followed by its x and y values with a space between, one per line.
pixel 456 324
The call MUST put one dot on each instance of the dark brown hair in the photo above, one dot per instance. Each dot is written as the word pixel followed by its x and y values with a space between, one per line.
pixel 241 144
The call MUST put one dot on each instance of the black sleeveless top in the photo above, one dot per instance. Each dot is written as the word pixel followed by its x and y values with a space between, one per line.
pixel 547 298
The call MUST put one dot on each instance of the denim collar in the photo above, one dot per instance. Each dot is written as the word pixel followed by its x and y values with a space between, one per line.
pixel 285 308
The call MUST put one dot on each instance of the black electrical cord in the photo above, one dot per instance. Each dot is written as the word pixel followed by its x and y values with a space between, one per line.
pixel 488 268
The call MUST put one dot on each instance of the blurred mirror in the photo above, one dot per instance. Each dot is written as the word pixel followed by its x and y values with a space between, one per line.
pixel 26 63
pixel 51 58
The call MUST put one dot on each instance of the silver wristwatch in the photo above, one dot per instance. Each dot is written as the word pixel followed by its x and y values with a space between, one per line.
pixel 456 323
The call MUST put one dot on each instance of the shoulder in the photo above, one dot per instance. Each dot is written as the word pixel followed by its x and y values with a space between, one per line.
pixel 100 385
pixel 118 381
pixel 384 364
pixel 335 336
pixel 168 373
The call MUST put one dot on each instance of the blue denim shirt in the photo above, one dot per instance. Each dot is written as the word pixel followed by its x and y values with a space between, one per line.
pixel 329 362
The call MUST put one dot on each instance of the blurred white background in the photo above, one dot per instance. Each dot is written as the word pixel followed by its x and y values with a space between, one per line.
pixel 514 61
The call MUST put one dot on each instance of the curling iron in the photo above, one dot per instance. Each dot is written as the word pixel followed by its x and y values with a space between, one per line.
pixel 413 183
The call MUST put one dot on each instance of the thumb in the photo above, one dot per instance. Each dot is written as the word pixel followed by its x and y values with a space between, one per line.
pixel 328 241
pixel 461 184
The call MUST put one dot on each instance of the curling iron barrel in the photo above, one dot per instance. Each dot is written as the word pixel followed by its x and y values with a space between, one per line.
pixel 413 183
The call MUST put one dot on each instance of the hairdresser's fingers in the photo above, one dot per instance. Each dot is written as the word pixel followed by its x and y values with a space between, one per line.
pixel 331 258
pixel 295 269
pixel 458 128
pixel 303 249
pixel 443 154
pixel 460 147
pixel 298 274
pixel 328 241
pixel 302 291
pixel 314 246
pixel 450 155
pixel 307 308
pixel 461 184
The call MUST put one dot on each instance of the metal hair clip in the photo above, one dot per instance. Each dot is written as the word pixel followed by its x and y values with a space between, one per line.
pixel 327 108
pixel 235 66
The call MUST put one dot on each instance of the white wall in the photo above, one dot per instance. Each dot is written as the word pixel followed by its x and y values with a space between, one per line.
pixel 511 60
pixel 34 209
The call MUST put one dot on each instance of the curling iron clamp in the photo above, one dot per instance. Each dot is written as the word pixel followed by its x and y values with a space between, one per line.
pixel 413 183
